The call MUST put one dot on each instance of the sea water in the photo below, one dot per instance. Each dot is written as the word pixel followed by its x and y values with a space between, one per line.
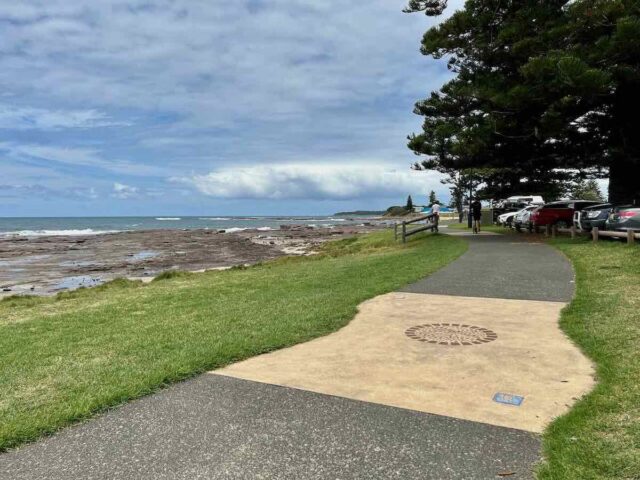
pixel 80 226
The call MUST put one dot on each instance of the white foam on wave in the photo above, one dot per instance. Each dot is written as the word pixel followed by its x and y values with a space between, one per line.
pixel 214 218
pixel 56 233
pixel 171 219
pixel 234 229
pixel 264 229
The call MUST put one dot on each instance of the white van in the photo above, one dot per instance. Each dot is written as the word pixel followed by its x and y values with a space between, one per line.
pixel 527 199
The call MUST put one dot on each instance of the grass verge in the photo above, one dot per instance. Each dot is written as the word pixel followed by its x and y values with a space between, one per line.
pixel 68 357
pixel 600 437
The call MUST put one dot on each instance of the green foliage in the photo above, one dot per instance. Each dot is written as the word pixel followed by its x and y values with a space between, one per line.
pixel 396 211
pixel 409 206
pixel 430 7
pixel 171 274
pixel 544 93
pixel 587 190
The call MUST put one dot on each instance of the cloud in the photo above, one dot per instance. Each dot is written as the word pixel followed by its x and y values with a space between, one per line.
pixel 215 64
pixel 209 83
pixel 312 181
pixel 79 157
pixel 72 156
pixel 122 191
pixel 40 191
pixel 26 118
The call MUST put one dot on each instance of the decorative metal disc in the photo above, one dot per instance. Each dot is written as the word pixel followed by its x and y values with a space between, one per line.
pixel 451 334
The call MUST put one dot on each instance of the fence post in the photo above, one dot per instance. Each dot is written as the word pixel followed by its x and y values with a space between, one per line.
pixel 631 237
pixel 547 230
pixel 395 231
pixel 594 234
pixel 404 232
pixel 573 231
pixel 554 231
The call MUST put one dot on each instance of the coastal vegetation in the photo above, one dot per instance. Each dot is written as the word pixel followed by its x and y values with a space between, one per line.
pixel 64 358
pixel 397 211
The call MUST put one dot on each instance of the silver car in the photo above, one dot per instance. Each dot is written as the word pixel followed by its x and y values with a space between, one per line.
pixel 523 218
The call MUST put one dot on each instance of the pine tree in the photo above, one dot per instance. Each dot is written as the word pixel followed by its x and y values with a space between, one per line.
pixel 587 190
pixel 432 197
pixel 409 206
pixel 544 93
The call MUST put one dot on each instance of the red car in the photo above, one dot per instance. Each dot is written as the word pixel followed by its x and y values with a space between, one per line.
pixel 559 213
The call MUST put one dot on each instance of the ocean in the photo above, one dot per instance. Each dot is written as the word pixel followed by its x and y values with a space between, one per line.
pixel 34 226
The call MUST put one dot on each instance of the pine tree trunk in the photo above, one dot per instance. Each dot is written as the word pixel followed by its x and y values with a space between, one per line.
pixel 624 171
pixel 624 181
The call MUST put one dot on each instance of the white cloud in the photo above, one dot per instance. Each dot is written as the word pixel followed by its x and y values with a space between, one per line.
pixel 80 157
pixel 214 64
pixel 208 83
pixel 73 156
pixel 120 190
pixel 25 118
pixel 25 191
pixel 313 181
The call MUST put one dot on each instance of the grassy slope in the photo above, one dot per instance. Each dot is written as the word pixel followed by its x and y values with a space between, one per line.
pixel 600 437
pixel 64 358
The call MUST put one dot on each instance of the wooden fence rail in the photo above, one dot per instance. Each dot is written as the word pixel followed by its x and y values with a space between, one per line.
pixel 430 225
pixel 596 233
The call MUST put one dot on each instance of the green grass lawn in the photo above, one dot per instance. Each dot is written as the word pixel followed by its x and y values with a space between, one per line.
pixel 68 357
pixel 600 437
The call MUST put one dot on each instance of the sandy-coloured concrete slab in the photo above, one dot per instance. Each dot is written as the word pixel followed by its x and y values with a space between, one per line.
pixel 380 358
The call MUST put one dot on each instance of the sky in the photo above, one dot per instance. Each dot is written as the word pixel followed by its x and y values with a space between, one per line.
pixel 198 107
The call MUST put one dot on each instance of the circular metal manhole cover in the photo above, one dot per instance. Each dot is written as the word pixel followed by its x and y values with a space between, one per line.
pixel 451 334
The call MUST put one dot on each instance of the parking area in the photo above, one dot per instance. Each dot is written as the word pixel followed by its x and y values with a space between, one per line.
pixel 573 217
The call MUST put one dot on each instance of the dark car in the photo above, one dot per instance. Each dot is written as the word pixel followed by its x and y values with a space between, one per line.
pixel 559 213
pixel 594 216
pixel 624 218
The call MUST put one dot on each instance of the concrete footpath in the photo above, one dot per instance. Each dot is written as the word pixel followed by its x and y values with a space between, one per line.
pixel 451 378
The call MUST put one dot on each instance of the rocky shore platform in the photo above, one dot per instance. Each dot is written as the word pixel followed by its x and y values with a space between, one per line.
pixel 45 265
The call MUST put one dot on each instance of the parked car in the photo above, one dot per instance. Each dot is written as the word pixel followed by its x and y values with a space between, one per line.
pixel 522 219
pixel 624 218
pixel 508 207
pixel 559 213
pixel 593 216
pixel 506 219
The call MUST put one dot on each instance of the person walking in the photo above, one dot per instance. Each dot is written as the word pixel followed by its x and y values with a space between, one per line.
pixel 435 210
pixel 476 211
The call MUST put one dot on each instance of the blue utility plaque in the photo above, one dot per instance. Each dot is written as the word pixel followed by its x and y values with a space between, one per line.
pixel 508 399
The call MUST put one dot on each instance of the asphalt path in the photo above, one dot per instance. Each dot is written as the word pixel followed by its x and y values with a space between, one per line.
pixel 503 266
